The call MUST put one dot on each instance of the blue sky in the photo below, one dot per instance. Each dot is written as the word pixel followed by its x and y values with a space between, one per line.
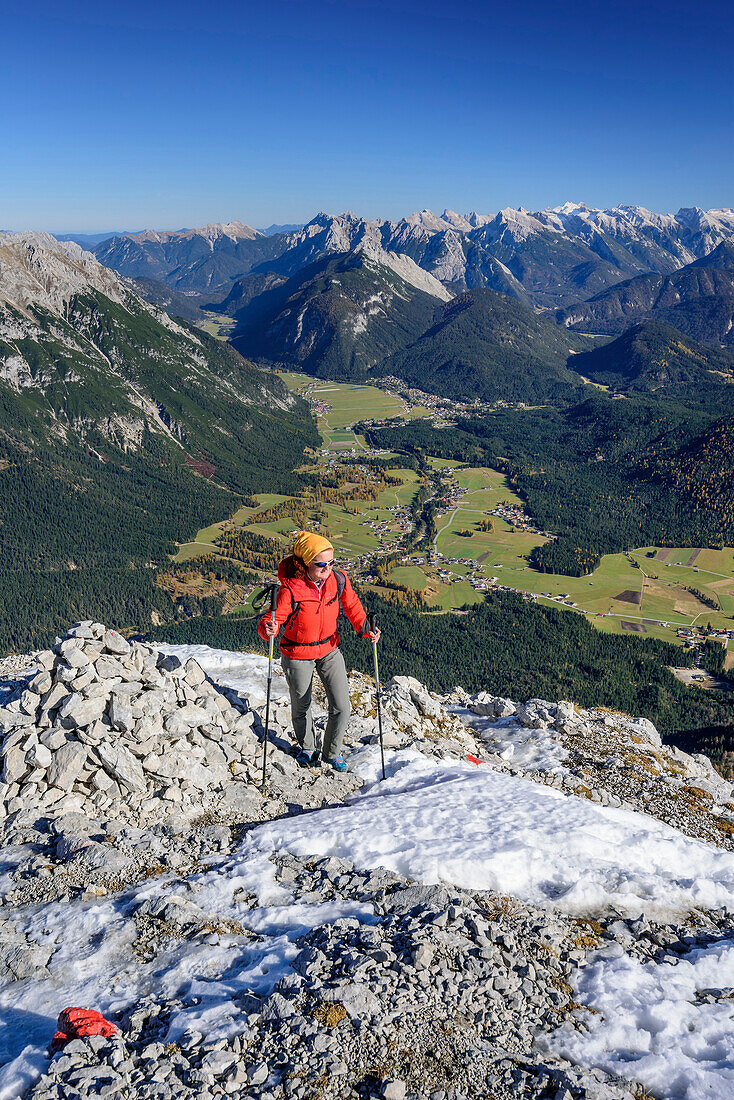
pixel 168 114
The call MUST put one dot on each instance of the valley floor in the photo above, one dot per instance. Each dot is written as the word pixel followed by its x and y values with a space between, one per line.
pixel 666 593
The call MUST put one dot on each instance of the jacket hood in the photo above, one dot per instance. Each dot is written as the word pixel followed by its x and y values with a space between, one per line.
pixel 291 577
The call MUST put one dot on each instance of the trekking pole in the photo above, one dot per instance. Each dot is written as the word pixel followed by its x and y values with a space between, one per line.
pixel 273 597
pixel 371 620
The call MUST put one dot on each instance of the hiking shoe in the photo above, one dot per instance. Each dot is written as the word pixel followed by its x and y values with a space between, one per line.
pixel 307 759
pixel 339 764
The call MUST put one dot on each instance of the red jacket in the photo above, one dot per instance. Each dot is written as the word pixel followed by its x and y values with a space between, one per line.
pixel 310 617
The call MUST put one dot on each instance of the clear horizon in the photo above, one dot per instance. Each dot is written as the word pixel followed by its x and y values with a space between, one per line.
pixel 167 116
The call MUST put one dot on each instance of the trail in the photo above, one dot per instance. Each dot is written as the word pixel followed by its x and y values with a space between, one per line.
pixel 448 523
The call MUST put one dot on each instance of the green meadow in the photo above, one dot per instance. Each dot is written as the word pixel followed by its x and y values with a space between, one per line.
pixel 635 591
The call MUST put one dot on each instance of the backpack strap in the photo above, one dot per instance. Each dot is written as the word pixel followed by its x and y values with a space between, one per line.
pixel 341 581
pixel 294 611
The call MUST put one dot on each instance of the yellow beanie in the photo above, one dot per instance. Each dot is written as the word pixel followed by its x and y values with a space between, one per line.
pixel 308 545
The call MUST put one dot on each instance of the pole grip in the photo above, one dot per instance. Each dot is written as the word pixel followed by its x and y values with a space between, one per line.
pixel 371 621
pixel 273 598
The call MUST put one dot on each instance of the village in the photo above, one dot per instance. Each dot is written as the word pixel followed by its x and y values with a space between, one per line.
pixel 441 534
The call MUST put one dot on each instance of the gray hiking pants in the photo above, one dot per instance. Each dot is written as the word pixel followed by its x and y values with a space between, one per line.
pixel 333 675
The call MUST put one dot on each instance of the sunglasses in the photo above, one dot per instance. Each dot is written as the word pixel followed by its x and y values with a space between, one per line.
pixel 322 564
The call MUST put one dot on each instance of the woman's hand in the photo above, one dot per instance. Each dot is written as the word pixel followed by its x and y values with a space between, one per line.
pixel 271 628
pixel 373 635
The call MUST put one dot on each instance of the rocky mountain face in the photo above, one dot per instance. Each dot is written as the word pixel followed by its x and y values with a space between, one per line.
pixel 698 299
pixel 121 431
pixel 176 303
pixel 342 314
pixel 93 356
pixel 245 290
pixel 205 260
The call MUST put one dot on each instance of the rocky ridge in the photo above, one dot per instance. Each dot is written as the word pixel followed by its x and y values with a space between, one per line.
pixel 587 249
pixel 446 995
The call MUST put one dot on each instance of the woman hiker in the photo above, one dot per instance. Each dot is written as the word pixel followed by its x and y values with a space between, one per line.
pixel 308 604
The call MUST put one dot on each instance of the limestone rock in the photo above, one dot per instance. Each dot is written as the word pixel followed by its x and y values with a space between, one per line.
pixel 66 765
pixel 78 711
pixel 115 643
pixel 358 999
pixel 122 765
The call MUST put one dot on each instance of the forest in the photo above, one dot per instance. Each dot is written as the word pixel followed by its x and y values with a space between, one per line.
pixel 83 536
pixel 604 475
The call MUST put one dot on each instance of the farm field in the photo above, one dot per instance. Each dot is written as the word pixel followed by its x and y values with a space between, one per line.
pixel 629 592
pixel 218 325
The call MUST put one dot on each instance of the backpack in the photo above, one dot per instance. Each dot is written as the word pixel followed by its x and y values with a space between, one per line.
pixel 261 597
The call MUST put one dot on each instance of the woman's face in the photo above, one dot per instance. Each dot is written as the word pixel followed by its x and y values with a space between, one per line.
pixel 321 566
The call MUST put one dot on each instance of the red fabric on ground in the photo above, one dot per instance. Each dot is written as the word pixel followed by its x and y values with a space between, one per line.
pixel 76 1023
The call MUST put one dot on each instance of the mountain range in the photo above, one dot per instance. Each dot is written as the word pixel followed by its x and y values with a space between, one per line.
pixel 554 257
pixel 76 342
pixel 343 294
pixel 697 299
pixel 654 357
pixel 485 345
pixel 202 260
pixel 342 314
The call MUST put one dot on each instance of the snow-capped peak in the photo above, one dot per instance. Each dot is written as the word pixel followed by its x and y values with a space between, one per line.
pixel 570 208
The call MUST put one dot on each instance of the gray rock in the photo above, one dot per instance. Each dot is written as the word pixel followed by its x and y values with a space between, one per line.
pixel 67 764
pixel 217 1062
pixel 12 719
pixel 115 643
pixel 122 766
pixel 70 844
pixel 78 711
pixel 15 765
pixel 82 629
pixel 41 683
pixel 107 668
pixel 169 663
pixel 278 1008
pixel 393 1090
pixel 359 1000
pixel 23 960
pixel 424 704
pixel 174 909
pixel 75 657
pixel 504 708
pixel 423 956
pixel 102 860
pixel 39 756
pixel 195 674
pixel 259 1074
pixel 241 800
pixel 427 897
pixel 53 738
pixel 121 713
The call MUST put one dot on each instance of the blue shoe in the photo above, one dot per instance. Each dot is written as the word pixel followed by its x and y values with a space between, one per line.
pixel 307 759
pixel 339 764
